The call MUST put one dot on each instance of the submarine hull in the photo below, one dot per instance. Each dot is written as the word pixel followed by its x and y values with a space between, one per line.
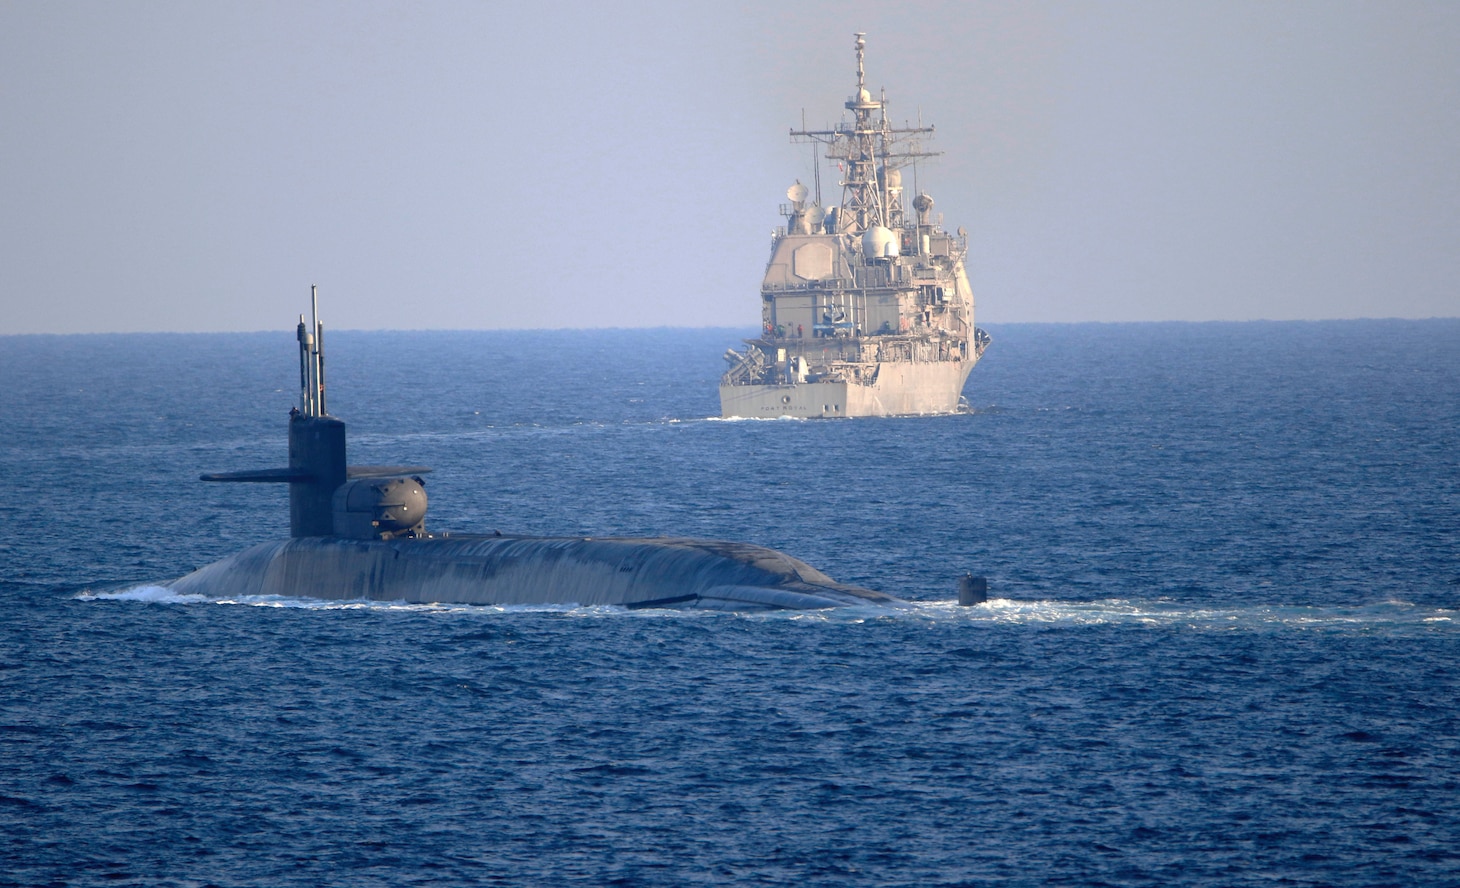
pixel 502 570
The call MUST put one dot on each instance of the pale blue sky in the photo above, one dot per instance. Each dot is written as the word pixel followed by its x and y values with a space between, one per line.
pixel 187 166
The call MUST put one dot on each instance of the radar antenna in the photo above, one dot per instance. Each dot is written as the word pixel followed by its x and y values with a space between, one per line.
pixel 866 151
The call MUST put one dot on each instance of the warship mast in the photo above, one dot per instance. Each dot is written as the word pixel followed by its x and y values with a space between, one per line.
pixel 864 149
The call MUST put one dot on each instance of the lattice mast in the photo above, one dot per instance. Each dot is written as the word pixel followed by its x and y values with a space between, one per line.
pixel 867 150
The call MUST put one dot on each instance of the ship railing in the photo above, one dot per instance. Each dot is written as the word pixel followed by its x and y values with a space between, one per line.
pixel 823 284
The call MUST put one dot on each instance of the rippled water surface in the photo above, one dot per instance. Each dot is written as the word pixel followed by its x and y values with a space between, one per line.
pixel 1223 648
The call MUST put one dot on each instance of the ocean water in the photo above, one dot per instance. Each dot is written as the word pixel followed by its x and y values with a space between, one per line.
pixel 1224 645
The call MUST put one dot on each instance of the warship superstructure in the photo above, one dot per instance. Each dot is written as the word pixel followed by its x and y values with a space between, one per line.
pixel 866 309
pixel 359 532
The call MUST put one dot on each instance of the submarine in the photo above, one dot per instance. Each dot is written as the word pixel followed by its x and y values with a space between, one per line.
pixel 359 533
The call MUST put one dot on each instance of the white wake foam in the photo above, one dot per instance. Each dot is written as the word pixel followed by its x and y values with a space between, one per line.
pixel 156 594
pixel 1382 616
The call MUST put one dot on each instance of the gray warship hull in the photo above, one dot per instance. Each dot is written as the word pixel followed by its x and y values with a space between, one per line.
pixel 493 570
pixel 866 308
pixel 897 390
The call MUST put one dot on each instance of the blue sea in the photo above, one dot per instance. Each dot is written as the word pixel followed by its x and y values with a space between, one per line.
pixel 1223 646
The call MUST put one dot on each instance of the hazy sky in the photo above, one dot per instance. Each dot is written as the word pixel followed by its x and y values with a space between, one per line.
pixel 186 166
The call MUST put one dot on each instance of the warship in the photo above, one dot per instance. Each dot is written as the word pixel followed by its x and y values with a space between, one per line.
pixel 359 533
pixel 866 309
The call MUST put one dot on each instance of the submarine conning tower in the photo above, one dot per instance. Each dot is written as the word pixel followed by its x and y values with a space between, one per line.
pixel 327 496
pixel 316 439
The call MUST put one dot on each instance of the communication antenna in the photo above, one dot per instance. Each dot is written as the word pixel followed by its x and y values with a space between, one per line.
pixel 311 360
pixel 861 72
pixel 318 348
pixel 815 161
pixel 916 189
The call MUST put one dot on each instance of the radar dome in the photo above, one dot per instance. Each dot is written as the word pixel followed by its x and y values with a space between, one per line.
pixel 880 243
pixel 924 205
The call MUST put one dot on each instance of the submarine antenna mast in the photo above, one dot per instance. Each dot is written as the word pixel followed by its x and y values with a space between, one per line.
pixel 318 350
pixel 306 345
pixel 311 361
